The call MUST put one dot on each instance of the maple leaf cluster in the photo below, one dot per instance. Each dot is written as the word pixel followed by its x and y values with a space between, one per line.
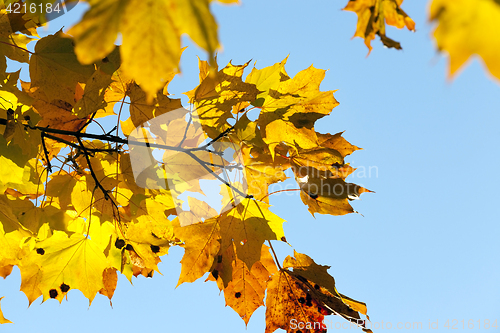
pixel 75 212
pixel 373 15
pixel 464 28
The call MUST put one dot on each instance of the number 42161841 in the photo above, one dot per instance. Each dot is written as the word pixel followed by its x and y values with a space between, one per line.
pixel 33 8
pixel 455 324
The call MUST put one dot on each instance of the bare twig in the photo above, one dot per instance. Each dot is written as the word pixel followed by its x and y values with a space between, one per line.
pixel 203 164
pixel 71 144
pixel 97 182
pixel 46 152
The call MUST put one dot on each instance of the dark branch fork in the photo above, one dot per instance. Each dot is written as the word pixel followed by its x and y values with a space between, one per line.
pixel 50 133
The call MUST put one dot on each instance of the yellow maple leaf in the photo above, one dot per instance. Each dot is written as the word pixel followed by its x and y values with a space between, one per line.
pixel 287 303
pixel 327 159
pixel 60 187
pixel 199 211
pixel 245 292
pixel 17 21
pixel 110 280
pixel 55 70
pixel 289 106
pixel 3 320
pixel 56 114
pixel 69 263
pixel 31 275
pixel 260 172
pixel 201 244
pixel 10 251
pixel 373 15
pixel 277 130
pixel 92 94
pixel 217 94
pixel 151 31
pixel 327 195
pixel 248 225
pixel 466 28
pixel 141 110
pixel 13 44
pixel 320 287
pixel 15 172
pixel 302 94
pixel 81 196
pixel 150 232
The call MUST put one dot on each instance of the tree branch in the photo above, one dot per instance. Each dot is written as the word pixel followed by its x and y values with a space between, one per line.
pixel 97 182
pixel 46 152
pixel 116 139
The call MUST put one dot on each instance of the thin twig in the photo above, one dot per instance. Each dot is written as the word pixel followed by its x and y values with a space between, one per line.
pixel 97 183
pixel 270 245
pixel 71 144
pixel 46 152
pixel 186 130
pixel 274 253
pixel 203 164
pixel 287 190
pixel 220 136
pixel 87 122
pixel 117 139
pixel 14 45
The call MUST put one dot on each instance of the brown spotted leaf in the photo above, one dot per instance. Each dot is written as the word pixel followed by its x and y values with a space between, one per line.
pixel 246 291
pixel 373 15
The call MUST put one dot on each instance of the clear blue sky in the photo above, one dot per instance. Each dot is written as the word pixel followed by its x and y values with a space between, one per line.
pixel 427 247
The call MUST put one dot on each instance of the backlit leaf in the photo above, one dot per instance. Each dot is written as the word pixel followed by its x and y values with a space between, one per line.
pixel 76 261
pixel 201 244
pixel 373 15
pixel 3 320
pixel 466 28
pixel 288 303
pixel 245 293
pixel 151 31
pixel 248 225
pixel 320 286
pixel 54 69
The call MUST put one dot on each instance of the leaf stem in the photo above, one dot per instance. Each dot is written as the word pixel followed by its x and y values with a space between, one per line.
pixel 97 182
pixel 46 152
pixel 203 164
pixel 18 47
pixel 274 254
pixel 291 189
pixel 71 144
